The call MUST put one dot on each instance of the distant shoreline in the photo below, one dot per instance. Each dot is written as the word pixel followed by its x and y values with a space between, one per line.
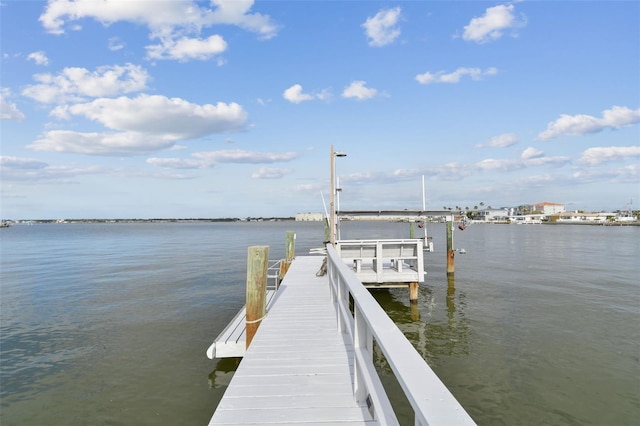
pixel 270 219
pixel 155 220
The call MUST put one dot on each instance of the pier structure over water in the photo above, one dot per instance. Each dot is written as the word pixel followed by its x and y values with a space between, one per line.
pixel 311 360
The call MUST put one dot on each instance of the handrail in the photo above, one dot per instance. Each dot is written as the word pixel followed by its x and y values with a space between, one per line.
pixel 273 273
pixel 432 402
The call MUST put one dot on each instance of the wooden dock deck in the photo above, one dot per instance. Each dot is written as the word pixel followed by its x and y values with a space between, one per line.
pixel 299 366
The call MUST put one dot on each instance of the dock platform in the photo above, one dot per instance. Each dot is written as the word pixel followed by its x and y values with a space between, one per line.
pixel 232 341
pixel 299 366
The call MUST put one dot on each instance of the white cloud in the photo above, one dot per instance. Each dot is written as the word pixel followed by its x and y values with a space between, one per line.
pixel 247 157
pixel 581 124
pixel 455 76
pixel 491 164
pixel 270 173
pixel 208 159
pixel 17 169
pixel 382 29
pixel 294 94
pixel 9 110
pixel 492 24
pixel 358 90
pixel 185 49
pixel 598 155
pixel 501 141
pixel 107 144
pixel 170 118
pixel 177 163
pixel 177 23
pixel 21 163
pixel 76 84
pixel 39 58
pixel 530 153
pixel 140 125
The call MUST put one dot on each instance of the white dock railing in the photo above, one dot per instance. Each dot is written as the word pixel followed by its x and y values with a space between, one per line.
pixel 432 402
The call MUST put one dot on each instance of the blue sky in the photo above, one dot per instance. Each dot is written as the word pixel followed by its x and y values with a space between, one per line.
pixel 142 109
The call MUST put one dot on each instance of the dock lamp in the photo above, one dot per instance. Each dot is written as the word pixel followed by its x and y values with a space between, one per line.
pixel 332 203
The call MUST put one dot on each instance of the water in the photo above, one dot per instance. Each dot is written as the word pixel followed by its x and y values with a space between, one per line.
pixel 109 323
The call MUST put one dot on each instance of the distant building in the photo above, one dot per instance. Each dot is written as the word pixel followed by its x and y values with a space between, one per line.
pixel 309 217
pixel 547 208
pixel 492 214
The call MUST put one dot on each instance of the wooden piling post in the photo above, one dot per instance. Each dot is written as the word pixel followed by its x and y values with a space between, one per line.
pixel 413 292
pixel 326 231
pixel 290 249
pixel 450 253
pixel 257 265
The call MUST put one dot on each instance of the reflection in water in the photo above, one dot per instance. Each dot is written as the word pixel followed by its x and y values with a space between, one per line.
pixel 451 292
pixel 221 376
pixel 415 310
pixel 435 325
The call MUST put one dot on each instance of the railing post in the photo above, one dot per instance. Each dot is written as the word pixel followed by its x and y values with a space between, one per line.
pixel 257 265
pixel 362 341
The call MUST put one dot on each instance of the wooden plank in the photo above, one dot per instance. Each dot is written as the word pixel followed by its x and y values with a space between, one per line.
pixel 299 367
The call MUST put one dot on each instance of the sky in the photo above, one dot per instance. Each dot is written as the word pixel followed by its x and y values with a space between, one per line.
pixel 230 108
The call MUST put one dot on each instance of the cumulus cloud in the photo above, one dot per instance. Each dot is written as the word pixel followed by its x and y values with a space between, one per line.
pixel 492 25
pixel 177 24
pixel 296 95
pixel 140 125
pixel 270 173
pixel 8 109
pixel 382 29
pixel 455 76
pixel 77 84
pixel 598 155
pixel 39 58
pixel 173 118
pixel 581 124
pixel 358 90
pixel 208 159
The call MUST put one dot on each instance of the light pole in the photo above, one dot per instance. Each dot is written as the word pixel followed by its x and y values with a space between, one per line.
pixel 332 203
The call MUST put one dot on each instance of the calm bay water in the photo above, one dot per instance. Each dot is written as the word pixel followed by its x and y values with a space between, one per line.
pixel 109 323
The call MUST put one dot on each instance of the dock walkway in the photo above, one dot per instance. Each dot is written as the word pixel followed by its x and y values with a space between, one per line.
pixel 299 366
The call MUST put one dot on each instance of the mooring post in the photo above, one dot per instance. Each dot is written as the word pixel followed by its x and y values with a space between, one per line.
pixel 289 253
pixel 257 265
pixel 450 253
pixel 413 292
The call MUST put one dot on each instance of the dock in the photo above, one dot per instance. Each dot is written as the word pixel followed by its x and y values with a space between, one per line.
pixel 298 367
pixel 311 360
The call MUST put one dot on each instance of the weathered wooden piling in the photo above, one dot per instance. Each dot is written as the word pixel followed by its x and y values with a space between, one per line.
pixel 450 252
pixel 290 249
pixel 257 265
pixel 413 292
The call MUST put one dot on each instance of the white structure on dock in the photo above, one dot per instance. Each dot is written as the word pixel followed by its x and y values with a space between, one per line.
pixel 384 261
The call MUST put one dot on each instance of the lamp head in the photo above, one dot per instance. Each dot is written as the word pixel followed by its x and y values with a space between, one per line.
pixel 340 154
